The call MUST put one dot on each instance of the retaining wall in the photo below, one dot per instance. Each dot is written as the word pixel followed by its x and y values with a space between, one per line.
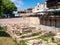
pixel 33 20
pixel 29 21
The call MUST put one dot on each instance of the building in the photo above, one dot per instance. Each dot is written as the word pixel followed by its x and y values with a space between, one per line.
pixel 53 4
pixel 40 7
pixel 51 21
pixel 29 10
pixel 22 11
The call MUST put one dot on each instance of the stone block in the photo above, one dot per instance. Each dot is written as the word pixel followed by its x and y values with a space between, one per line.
pixel 57 38
pixel 46 34
pixel 35 42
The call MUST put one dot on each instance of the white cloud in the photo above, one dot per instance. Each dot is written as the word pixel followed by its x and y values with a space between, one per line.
pixel 13 0
pixel 18 3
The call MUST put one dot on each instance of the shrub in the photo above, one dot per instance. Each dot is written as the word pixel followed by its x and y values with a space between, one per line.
pixel 4 34
pixel 34 34
pixel 1 28
pixel 58 43
pixel 23 43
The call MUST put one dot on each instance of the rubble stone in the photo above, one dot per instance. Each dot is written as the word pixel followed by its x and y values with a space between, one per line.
pixel 57 38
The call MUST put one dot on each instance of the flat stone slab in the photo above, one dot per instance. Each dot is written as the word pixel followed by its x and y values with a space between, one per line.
pixel 35 42
pixel 57 38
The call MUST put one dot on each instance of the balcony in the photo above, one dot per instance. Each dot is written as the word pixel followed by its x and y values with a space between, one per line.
pixel 58 3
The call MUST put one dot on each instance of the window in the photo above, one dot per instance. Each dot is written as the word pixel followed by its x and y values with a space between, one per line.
pixel 37 9
pixel 38 5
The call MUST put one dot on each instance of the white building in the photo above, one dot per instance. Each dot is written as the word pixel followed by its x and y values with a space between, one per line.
pixel 40 7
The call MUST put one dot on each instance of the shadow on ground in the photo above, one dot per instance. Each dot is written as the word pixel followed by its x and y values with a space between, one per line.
pixel 4 34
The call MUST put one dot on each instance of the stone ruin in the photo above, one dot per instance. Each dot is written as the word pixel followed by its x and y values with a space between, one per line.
pixel 23 29
pixel 36 42
pixel 16 31
pixel 57 37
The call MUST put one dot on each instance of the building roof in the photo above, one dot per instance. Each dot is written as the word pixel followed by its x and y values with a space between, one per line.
pixel 29 8
pixel 22 11
pixel 52 10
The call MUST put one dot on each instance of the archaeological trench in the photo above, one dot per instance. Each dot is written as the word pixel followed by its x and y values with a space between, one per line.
pixel 20 28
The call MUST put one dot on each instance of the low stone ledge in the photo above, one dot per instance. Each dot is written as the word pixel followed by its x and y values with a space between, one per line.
pixel 57 38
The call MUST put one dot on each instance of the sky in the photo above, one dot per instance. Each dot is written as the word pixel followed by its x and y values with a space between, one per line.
pixel 25 4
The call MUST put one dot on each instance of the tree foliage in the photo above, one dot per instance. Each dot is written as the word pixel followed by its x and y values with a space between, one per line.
pixel 1 8
pixel 7 6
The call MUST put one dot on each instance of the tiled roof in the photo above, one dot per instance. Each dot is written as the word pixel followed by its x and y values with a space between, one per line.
pixel 29 8
pixel 22 11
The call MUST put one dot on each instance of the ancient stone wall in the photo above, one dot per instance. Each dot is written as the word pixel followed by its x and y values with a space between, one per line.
pixel 31 21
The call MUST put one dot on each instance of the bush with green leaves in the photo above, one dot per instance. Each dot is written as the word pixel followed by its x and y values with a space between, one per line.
pixel 1 28
pixel 23 43
pixel 4 34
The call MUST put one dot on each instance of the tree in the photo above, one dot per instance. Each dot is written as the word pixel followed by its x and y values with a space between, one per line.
pixel 1 8
pixel 7 7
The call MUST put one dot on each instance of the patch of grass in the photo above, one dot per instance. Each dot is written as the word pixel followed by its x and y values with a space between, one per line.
pixel 23 43
pixel 7 41
pixel 15 42
pixel 34 34
pixel 58 43
pixel 1 28
pixel 46 38
pixel 43 38
pixel 5 38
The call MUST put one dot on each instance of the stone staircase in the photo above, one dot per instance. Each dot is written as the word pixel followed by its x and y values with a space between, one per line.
pixel 17 31
pixel 30 38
